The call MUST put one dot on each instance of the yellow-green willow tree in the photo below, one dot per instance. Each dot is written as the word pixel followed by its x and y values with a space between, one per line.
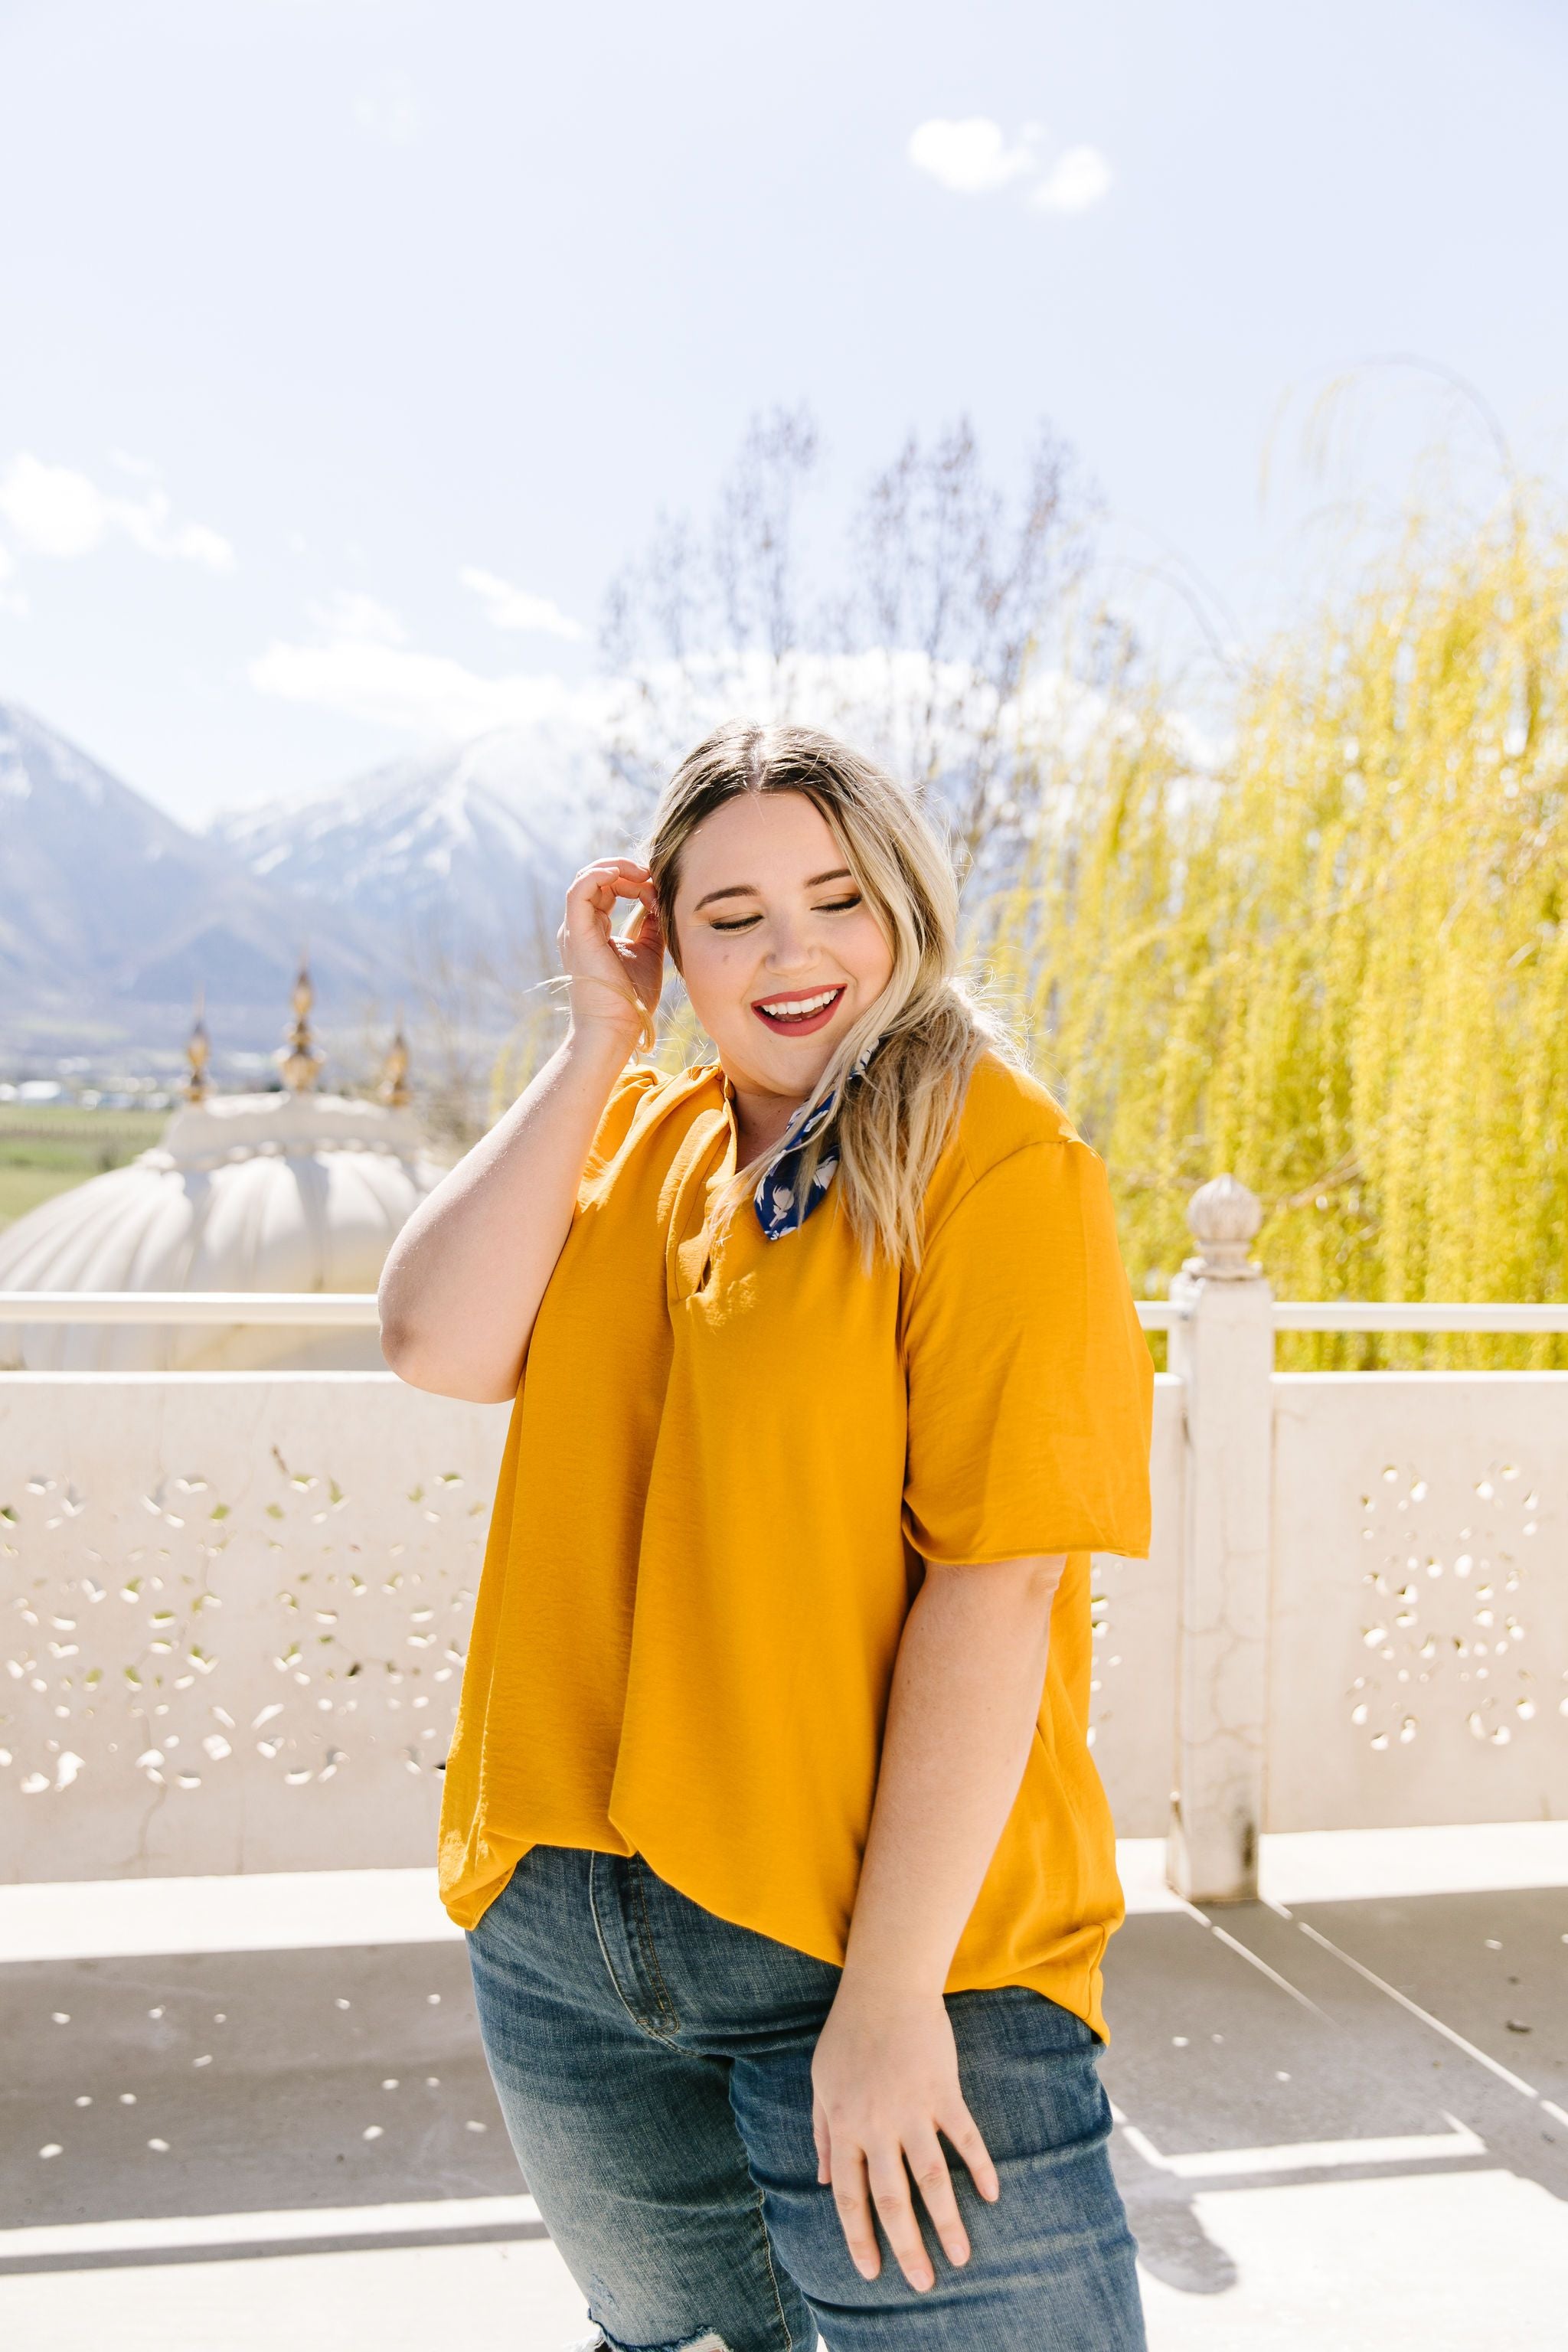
pixel 1337 961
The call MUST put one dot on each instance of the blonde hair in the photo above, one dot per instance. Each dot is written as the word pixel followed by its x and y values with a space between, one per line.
pixel 893 1121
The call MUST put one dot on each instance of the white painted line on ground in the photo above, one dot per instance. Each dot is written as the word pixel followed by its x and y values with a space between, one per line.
pixel 1493 2065
pixel 1222 1935
pixel 170 2232
pixel 1310 2154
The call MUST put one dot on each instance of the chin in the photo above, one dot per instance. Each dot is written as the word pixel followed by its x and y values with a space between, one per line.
pixel 799 1067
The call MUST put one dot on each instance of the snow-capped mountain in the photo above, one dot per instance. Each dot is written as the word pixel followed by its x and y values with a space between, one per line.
pixel 104 899
pixel 450 865
pixel 466 849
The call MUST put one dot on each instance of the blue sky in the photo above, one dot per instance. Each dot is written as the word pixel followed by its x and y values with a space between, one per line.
pixel 349 345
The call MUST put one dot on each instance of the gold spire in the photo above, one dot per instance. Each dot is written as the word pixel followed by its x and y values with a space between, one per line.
pixel 298 1061
pixel 393 1089
pixel 198 1052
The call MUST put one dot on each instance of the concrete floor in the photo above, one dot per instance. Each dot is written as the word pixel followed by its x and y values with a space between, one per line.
pixel 1342 2123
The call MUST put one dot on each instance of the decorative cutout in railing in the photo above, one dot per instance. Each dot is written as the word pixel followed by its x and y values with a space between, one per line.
pixel 1420 1598
pixel 244 1629
pixel 331 1633
pixel 1448 1607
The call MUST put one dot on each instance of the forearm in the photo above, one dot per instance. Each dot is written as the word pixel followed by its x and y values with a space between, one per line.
pixel 965 1701
pixel 462 1284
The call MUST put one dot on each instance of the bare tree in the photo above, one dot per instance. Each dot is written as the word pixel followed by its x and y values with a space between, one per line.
pixel 706 623
pixel 933 632
pixel 975 584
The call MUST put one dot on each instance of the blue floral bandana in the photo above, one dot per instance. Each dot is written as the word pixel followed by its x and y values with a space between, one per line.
pixel 783 1202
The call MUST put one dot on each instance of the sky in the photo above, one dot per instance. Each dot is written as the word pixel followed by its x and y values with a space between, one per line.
pixel 347 347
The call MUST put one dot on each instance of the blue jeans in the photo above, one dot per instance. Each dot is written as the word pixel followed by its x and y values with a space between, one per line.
pixel 654 2066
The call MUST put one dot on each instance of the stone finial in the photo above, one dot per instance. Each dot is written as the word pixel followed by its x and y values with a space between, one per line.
pixel 198 1053
pixel 393 1089
pixel 299 1061
pixel 1224 1217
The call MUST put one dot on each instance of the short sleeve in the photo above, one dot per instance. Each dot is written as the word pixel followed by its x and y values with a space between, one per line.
pixel 631 1090
pixel 1030 1382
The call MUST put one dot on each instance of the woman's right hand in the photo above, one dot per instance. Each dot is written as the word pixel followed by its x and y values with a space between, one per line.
pixel 615 982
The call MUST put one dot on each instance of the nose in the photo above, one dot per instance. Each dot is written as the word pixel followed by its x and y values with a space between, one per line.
pixel 790 948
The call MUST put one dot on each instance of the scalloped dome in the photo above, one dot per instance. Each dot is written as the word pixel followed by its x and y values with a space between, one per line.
pixel 272 1191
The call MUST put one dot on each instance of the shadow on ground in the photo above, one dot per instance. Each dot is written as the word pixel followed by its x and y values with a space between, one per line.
pixel 1253 2047
pixel 245 2082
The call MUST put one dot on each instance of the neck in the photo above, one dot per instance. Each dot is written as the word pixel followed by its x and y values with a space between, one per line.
pixel 761 1118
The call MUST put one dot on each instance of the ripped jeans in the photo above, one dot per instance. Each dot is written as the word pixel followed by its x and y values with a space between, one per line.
pixel 654 2066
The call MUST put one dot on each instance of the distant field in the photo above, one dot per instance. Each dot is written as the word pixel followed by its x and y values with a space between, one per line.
pixel 45 1152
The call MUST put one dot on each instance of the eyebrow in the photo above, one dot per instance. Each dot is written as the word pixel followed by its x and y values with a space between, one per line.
pixel 750 889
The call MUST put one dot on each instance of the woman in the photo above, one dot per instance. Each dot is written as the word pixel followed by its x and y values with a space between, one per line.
pixel 770 1812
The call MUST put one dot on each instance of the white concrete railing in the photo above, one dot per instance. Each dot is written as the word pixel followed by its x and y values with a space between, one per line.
pixel 332 1310
pixel 240 1605
pixel 237 1602
pixel 1371 1571
pixel 356 1310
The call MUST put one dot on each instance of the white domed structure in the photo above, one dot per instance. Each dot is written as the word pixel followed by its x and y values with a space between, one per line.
pixel 289 1192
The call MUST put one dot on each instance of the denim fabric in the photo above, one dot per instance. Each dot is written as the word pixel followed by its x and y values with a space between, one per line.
pixel 654 2066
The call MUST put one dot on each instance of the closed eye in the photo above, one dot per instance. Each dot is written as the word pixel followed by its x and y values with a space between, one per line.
pixel 745 922
pixel 823 907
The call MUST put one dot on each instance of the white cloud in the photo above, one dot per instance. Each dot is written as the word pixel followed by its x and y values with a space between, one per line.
pixel 148 522
pixel 972 157
pixel 515 608
pixel 364 667
pixel 1079 178
pixel 361 668
pixel 54 510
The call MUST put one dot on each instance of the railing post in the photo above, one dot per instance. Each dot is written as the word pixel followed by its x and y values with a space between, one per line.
pixel 1221 1349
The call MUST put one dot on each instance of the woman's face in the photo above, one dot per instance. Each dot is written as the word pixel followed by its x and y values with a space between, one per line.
pixel 780 952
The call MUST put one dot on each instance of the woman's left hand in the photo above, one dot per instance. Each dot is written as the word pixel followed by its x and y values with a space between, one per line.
pixel 884 2083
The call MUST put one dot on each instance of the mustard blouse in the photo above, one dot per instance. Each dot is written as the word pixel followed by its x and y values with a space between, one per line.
pixel 723 1473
